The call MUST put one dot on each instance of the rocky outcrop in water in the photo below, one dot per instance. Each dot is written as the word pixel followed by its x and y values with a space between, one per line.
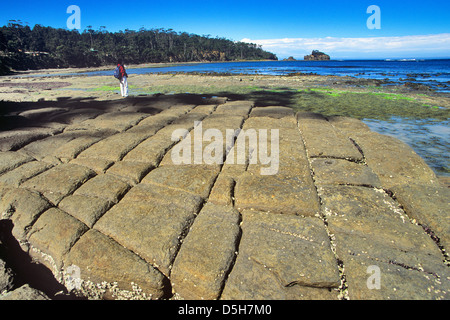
pixel 317 56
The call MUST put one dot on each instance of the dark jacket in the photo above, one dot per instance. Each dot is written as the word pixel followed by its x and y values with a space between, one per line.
pixel 122 71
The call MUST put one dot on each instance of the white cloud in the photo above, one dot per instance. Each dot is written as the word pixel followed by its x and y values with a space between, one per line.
pixel 416 45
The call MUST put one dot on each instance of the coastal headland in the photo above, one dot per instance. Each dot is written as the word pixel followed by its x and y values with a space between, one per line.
pixel 93 206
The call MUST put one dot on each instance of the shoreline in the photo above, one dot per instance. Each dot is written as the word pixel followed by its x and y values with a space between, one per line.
pixel 79 81
pixel 77 70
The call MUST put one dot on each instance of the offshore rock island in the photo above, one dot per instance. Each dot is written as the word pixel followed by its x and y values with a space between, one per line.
pixel 317 56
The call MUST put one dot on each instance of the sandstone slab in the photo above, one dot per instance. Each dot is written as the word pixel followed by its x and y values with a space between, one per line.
pixel 104 186
pixel 370 229
pixel 17 138
pixel 102 260
pixel 429 205
pixel 142 227
pixel 395 282
pixel 87 209
pixel 323 140
pixel 113 148
pixel 393 161
pixel 53 234
pixel 207 253
pixel 339 171
pixel 196 179
pixel 288 195
pixel 23 207
pixel 129 171
pixel 21 174
pixel 282 257
pixel 59 181
pixel 241 108
pixel 10 160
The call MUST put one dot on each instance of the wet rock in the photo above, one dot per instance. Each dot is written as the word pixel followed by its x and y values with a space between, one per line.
pixel 394 162
pixel 25 292
pixel 6 276
pixel 429 206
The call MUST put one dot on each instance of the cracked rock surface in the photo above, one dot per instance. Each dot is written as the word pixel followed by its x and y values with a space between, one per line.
pixel 92 187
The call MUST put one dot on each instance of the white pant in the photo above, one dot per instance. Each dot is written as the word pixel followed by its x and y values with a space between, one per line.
pixel 124 87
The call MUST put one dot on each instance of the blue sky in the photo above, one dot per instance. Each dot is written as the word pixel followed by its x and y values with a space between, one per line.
pixel 408 28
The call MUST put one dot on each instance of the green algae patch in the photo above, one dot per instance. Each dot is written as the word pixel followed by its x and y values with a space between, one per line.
pixel 366 105
pixel 325 100
pixel 106 88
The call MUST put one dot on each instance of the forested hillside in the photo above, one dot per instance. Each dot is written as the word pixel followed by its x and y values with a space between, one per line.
pixel 24 48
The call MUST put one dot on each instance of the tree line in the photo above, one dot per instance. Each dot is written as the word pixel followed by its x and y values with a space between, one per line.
pixel 40 47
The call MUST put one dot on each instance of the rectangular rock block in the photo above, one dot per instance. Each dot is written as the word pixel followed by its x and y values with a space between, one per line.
pixel 107 266
pixel 429 205
pixel 15 139
pixel 279 194
pixel 152 150
pixel 87 209
pixel 104 186
pixel 59 181
pixel 323 140
pixel 395 282
pixel 23 207
pixel 53 234
pixel 339 171
pixel 206 254
pixel 369 228
pixel 74 147
pixel 241 108
pixel 195 179
pixel 117 121
pixel 129 171
pixel 21 174
pixel 99 166
pixel 205 109
pixel 44 147
pixel 222 192
pixel 150 193
pixel 393 161
pixel 150 229
pixel 10 160
pixel 113 148
pixel 282 257
pixel 276 112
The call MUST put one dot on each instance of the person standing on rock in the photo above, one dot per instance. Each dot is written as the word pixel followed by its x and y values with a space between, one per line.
pixel 121 74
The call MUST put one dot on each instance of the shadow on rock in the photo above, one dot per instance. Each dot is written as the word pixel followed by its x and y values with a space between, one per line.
pixel 25 270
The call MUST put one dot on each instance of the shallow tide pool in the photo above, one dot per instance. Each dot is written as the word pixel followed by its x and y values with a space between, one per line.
pixel 429 138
